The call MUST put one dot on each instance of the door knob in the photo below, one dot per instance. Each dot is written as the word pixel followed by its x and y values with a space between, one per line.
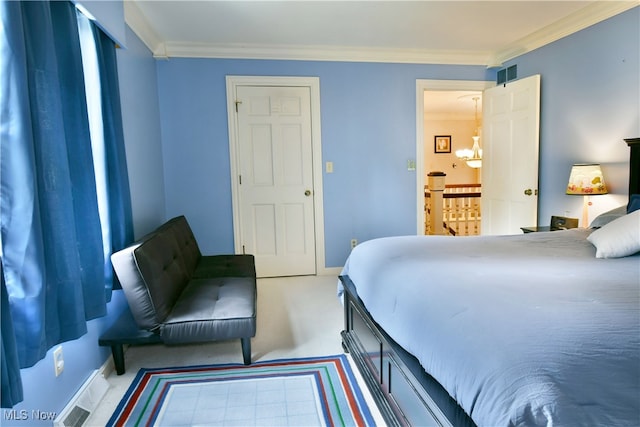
pixel 528 192
pixel 307 193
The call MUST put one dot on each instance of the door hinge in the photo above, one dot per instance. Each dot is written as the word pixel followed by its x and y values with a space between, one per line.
pixel 237 103
pixel 240 179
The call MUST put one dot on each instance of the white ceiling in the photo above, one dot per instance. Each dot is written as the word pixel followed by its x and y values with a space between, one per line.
pixel 451 32
pixel 474 32
pixel 452 105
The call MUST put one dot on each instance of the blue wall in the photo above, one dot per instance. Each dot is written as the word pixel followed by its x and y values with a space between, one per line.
pixel 46 393
pixel 590 101
pixel 141 123
pixel 368 132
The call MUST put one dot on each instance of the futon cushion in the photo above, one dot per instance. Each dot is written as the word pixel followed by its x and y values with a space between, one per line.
pixel 212 309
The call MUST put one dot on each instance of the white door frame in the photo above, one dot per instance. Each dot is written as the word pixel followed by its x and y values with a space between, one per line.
pixel 421 87
pixel 313 83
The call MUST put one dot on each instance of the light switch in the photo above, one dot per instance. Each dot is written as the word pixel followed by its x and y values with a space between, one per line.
pixel 411 165
pixel 329 167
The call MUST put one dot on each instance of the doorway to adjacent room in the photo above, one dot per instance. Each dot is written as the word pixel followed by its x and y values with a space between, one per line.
pixel 510 138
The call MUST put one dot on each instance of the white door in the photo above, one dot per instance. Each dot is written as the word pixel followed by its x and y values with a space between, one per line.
pixel 276 198
pixel 511 117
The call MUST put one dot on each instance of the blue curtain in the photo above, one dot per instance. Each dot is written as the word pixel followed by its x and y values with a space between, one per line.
pixel 10 380
pixel 50 228
pixel 120 216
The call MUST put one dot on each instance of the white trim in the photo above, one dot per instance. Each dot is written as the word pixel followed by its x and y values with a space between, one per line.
pixel 596 12
pixel 421 87
pixel 321 53
pixel 592 14
pixel 87 398
pixel 313 83
pixel 136 20
pixel 331 271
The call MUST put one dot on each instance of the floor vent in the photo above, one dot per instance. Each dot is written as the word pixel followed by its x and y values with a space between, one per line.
pixel 78 410
pixel 76 418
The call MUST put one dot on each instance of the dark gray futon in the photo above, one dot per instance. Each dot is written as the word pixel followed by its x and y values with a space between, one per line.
pixel 180 295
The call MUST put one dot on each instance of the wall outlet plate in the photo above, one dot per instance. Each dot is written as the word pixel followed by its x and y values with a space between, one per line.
pixel 58 360
pixel 329 167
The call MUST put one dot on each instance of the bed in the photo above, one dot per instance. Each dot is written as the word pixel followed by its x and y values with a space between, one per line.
pixel 533 329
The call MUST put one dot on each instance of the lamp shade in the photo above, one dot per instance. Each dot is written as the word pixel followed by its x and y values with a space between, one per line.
pixel 586 179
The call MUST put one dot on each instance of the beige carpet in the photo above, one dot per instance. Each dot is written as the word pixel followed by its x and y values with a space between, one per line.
pixel 297 317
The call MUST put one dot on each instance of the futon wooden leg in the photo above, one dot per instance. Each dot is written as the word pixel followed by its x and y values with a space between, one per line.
pixel 246 350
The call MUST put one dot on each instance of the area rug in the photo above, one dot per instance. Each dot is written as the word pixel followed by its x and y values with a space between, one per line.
pixel 319 391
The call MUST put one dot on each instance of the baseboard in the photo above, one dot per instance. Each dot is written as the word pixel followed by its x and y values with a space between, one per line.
pixel 108 367
pixel 86 399
pixel 329 271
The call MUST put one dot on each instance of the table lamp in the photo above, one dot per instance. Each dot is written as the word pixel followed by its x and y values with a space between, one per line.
pixel 586 180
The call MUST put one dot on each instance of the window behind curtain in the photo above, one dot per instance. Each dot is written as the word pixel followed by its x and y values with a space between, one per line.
pixel 94 109
pixel 60 218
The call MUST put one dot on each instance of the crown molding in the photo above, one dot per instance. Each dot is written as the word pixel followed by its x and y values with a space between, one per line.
pixel 590 15
pixel 320 53
pixel 136 20
pixel 586 17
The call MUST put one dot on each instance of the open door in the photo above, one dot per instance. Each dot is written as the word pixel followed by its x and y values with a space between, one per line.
pixel 511 130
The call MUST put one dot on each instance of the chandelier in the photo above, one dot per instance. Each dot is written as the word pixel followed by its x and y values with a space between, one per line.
pixel 472 156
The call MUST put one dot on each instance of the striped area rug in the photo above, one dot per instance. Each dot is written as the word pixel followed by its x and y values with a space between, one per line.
pixel 319 391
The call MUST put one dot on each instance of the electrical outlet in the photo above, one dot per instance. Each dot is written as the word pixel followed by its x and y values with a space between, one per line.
pixel 354 243
pixel 58 360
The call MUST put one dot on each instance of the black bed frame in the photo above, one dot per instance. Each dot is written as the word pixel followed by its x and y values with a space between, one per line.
pixel 634 165
pixel 405 394
pixel 403 391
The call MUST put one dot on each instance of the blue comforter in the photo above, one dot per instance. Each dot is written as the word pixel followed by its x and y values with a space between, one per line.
pixel 520 330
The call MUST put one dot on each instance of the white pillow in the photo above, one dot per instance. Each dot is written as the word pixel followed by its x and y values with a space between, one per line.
pixel 619 238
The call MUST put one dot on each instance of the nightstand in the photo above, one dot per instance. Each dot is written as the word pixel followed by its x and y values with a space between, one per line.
pixel 535 229
pixel 557 223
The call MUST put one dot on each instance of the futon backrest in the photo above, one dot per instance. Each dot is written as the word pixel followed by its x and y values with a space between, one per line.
pixel 162 269
pixel 154 271
pixel 188 246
